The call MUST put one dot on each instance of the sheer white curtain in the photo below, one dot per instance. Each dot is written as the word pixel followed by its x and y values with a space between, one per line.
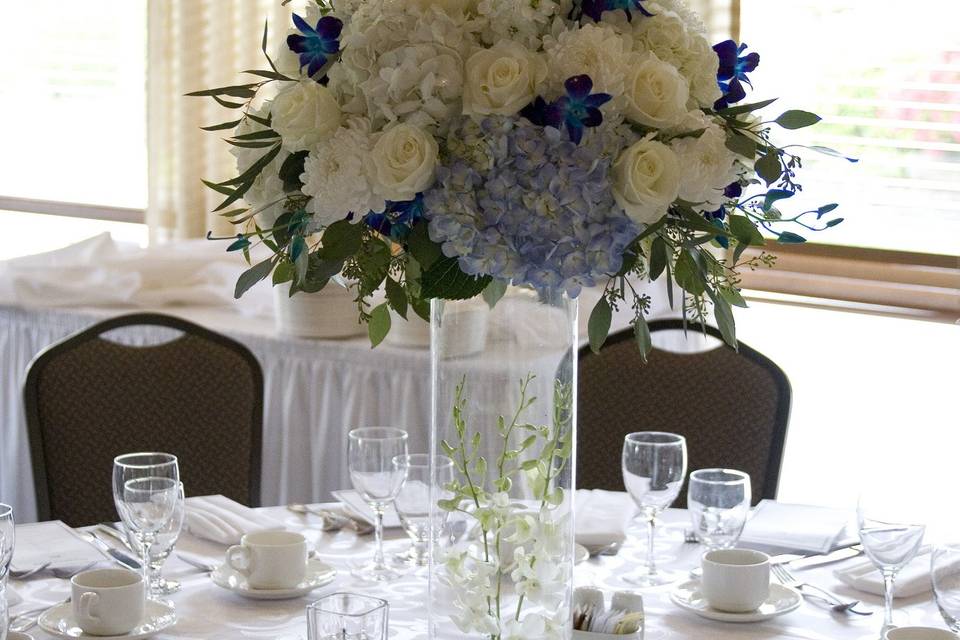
pixel 197 44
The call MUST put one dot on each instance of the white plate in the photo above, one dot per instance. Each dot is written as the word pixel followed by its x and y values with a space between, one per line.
pixel 318 575
pixel 58 621
pixel 781 600
pixel 580 553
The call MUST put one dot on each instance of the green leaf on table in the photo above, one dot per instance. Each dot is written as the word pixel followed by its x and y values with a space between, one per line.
pixel 688 275
pixel 341 240
pixel 598 326
pixel 745 108
pixel 658 258
pixel 252 276
pixel 768 167
pixel 397 297
pixel 422 248
pixel 379 324
pixel 291 170
pixel 641 333
pixel 444 279
pixel 797 119
pixel 494 291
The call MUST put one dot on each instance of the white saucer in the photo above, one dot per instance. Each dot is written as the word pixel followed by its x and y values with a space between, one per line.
pixel 580 553
pixel 58 621
pixel 318 575
pixel 18 635
pixel 781 600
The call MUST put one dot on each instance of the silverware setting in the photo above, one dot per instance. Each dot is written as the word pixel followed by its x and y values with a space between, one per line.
pixel 333 520
pixel 63 573
pixel 26 573
pixel 837 604
pixel 26 620
pixel 207 567
pixel 115 555
pixel 611 549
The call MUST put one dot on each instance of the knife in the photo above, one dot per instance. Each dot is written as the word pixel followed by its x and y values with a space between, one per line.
pixel 117 556
pixel 851 550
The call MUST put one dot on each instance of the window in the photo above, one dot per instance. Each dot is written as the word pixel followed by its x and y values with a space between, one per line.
pixel 74 110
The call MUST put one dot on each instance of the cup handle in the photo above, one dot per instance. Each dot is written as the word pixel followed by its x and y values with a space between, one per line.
pixel 88 601
pixel 239 559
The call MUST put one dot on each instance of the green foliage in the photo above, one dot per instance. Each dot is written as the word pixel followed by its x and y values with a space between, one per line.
pixel 444 279
pixel 494 291
pixel 397 297
pixel 796 119
pixel 252 276
pixel 598 326
pixel 379 325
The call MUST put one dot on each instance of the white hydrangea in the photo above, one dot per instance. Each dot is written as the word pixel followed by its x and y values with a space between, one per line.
pixel 267 189
pixel 707 167
pixel 335 176
pixel 523 21
pixel 596 50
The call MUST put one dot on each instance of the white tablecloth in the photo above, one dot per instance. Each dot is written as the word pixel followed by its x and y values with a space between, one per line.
pixel 207 612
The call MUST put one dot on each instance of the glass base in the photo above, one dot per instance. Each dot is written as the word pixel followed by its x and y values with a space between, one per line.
pixel 370 572
pixel 643 578
pixel 164 587
pixel 411 557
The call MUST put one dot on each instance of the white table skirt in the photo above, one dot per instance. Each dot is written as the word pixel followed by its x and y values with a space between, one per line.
pixel 207 612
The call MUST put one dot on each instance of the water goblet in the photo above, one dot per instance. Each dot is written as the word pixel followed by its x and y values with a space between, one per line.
pixel 945 575
pixel 413 503
pixel 374 455
pixel 654 467
pixel 890 539
pixel 347 616
pixel 7 537
pixel 146 487
pixel 163 545
pixel 719 502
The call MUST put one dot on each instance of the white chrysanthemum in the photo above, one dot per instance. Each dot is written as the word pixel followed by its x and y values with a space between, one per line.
pixel 267 189
pixel 523 22
pixel 334 175
pixel 700 68
pixel 707 167
pixel 596 50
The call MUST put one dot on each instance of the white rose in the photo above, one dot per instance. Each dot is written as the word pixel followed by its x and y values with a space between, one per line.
pixel 305 113
pixel 502 80
pixel 646 180
pixel 707 167
pixel 404 159
pixel 655 93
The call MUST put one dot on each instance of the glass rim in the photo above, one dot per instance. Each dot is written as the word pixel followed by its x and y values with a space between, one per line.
pixel 5 510
pixel 442 461
pixel 739 477
pixel 386 433
pixel 321 604
pixel 120 460
pixel 670 439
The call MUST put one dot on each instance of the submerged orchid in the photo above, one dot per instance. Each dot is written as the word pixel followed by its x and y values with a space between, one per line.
pixel 317 44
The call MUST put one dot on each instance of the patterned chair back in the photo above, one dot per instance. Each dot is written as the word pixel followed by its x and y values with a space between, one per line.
pixel 88 399
pixel 732 406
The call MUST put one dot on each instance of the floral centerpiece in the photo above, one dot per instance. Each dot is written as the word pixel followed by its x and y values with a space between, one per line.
pixel 439 150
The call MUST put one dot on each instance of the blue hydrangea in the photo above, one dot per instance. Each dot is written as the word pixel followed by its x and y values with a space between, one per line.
pixel 537 210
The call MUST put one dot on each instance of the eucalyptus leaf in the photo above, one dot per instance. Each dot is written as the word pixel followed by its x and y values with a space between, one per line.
pixel 258 135
pixel 725 321
pixel 768 167
pixel 742 145
pixel 688 275
pixel 283 273
pixel 228 104
pixel 834 222
pixel 825 209
pixel 223 125
pixel 641 333
pixel 397 297
pixel 235 91
pixel 658 258
pixel 270 75
pixel 796 119
pixel 773 196
pixel 598 326
pixel 252 276
pixel 733 296
pixel 745 108
pixel 379 324
pixel 788 237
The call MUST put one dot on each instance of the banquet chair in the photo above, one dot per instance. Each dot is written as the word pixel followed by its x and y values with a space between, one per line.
pixel 92 397
pixel 731 405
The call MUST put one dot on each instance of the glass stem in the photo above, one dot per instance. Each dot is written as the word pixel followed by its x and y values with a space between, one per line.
pixel 378 560
pixel 145 545
pixel 651 562
pixel 888 579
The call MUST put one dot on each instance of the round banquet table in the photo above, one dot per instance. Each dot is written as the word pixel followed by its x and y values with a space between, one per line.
pixel 208 612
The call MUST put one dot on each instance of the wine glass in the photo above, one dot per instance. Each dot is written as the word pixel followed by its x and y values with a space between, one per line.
pixel 161 549
pixel 719 501
pixel 413 503
pixel 654 466
pixel 7 537
pixel 945 575
pixel 890 539
pixel 146 487
pixel 374 455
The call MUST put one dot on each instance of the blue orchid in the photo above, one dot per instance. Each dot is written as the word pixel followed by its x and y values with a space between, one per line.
pixel 596 8
pixel 317 44
pixel 733 71
pixel 397 219
pixel 575 111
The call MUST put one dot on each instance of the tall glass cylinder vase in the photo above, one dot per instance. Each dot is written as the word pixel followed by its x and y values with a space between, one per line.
pixel 504 410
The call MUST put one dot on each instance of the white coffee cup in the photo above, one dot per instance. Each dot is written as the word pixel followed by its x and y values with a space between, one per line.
pixel 919 633
pixel 270 559
pixel 107 602
pixel 735 580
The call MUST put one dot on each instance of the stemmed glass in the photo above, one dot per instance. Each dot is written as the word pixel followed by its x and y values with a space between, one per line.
pixel 654 466
pixel 890 540
pixel 161 549
pixel 945 575
pixel 374 457
pixel 6 555
pixel 719 501
pixel 146 487
pixel 413 503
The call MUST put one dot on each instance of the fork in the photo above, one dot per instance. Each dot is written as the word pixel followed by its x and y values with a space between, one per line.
pixel 29 619
pixel 23 575
pixel 65 573
pixel 836 603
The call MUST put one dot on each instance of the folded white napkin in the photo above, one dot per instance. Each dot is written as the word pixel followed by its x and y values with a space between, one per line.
pixel 222 520
pixel 912 580
pixel 798 527
pixel 602 517
pixel 357 506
